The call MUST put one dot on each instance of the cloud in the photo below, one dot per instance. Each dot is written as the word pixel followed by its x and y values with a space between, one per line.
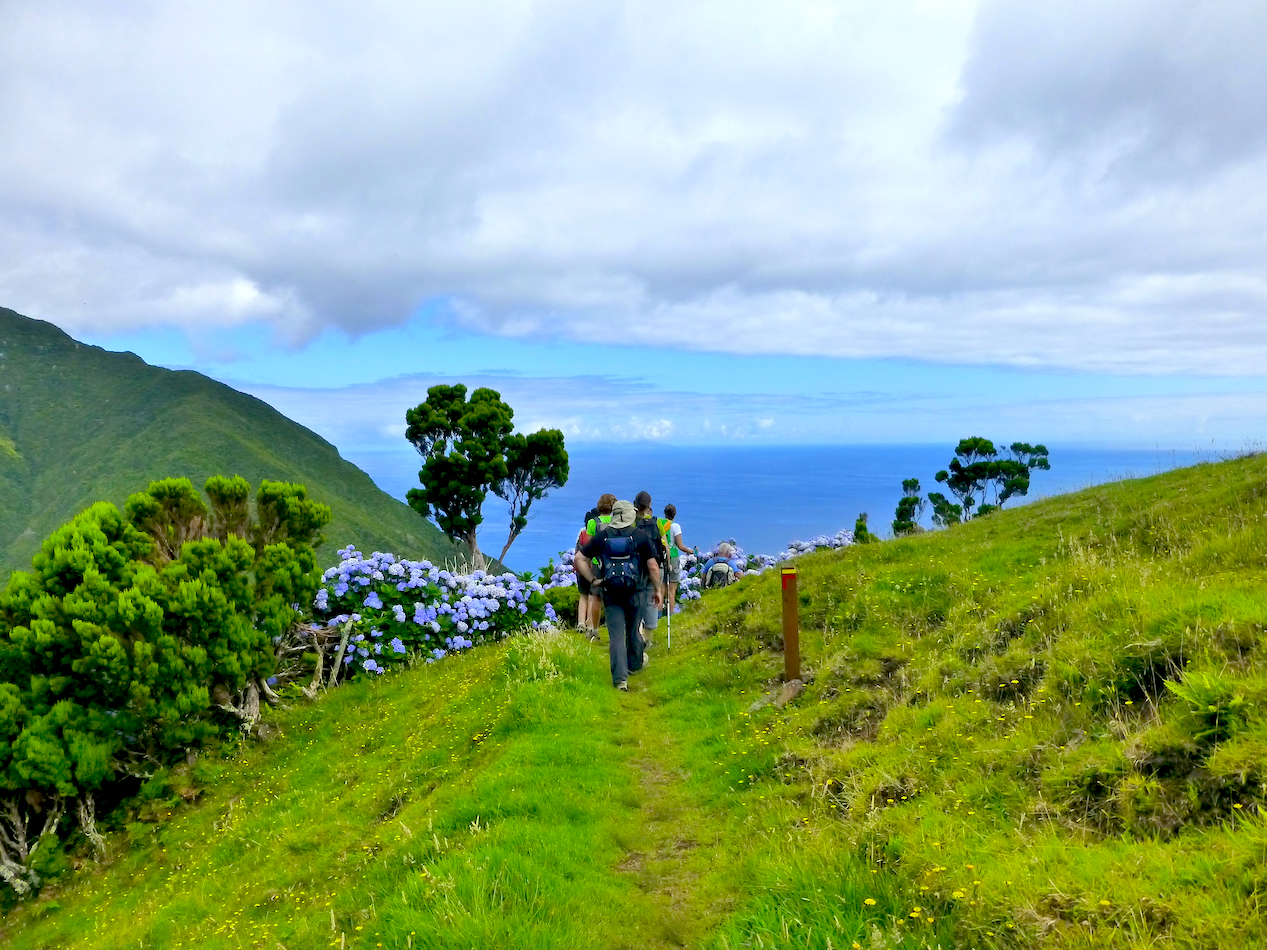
pixel 1158 88
pixel 1058 184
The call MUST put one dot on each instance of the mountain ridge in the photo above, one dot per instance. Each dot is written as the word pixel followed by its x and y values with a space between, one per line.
pixel 79 424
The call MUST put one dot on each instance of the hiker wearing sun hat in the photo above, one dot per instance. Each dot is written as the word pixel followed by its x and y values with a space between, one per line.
pixel 627 555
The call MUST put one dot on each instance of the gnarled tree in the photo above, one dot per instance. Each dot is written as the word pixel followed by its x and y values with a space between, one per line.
pixel 128 640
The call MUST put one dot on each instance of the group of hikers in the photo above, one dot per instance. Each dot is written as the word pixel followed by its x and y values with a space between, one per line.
pixel 631 561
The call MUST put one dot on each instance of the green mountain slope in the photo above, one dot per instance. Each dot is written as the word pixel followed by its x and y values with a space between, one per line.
pixel 987 756
pixel 79 424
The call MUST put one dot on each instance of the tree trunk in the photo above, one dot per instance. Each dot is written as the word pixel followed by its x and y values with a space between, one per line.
pixel 88 824
pixel 15 847
pixel 509 541
pixel 12 874
pixel 251 706
pixel 13 850
pixel 314 687
pixel 270 695
pixel 338 657
pixel 477 558
pixel 247 708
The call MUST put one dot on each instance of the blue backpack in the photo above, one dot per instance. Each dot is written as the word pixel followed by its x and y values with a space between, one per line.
pixel 620 561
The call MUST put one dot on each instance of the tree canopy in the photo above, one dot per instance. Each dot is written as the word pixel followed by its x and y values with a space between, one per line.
pixel 982 480
pixel 910 508
pixel 535 464
pixel 469 448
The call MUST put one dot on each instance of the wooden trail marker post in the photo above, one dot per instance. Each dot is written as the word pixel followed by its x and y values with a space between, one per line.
pixel 791 627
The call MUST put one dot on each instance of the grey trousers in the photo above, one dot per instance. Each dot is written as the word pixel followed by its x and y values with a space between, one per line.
pixel 624 642
pixel 650 612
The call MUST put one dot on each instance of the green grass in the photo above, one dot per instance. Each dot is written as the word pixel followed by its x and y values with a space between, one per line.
pixel 989 716
pixel 987 756
pixel 508 798
pixel 79 425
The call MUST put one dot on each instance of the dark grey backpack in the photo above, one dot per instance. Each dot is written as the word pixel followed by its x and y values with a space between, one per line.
pixel 619 559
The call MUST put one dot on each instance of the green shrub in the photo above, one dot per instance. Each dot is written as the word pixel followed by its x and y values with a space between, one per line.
pixel 131 637
pixel 566 603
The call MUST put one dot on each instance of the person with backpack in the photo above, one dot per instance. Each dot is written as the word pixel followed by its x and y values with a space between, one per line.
pixel 671 532
pixel 590 604
pixel 720 569
pixel 586 620
pixel 645 522
pixel 604 513
pixel 626 556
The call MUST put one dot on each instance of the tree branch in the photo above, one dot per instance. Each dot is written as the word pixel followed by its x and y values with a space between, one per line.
pixel 338 657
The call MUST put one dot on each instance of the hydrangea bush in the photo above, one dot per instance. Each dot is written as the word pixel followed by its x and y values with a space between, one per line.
pixel 402 611
pixel 842 538
pixel 693 567
pixel 563 574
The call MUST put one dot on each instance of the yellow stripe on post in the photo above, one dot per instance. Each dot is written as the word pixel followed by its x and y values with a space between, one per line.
pixel 791 627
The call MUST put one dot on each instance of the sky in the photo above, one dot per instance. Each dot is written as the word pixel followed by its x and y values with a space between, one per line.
pixel 726 222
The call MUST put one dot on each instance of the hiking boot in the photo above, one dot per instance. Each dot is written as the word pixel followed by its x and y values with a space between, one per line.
pixel 623 686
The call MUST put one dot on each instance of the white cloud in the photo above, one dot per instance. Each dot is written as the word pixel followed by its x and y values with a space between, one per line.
pixel 1048 183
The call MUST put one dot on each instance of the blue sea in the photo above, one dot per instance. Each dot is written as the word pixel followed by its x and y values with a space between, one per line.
pixel 763 496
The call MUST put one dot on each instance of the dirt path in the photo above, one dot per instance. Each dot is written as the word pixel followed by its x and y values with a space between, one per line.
pixel 677 865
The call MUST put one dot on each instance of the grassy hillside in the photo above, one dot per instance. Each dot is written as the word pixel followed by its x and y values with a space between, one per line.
pixel 79 424
pixel 988 756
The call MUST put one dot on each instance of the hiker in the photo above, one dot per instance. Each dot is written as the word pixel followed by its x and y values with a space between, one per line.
pixel 645 523
pixel 625 560
pixel 720 569
pixel 586 618
pixel 597 516
pixel 604 508
pixel 671 531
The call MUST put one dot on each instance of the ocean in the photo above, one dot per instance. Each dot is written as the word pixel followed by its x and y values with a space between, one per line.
pixel 763 497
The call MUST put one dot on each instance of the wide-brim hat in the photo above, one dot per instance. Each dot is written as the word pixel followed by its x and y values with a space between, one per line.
pixel 623 514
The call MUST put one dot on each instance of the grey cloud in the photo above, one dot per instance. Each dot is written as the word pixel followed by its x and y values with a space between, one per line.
pixel 1160 87
pixel 1071 185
